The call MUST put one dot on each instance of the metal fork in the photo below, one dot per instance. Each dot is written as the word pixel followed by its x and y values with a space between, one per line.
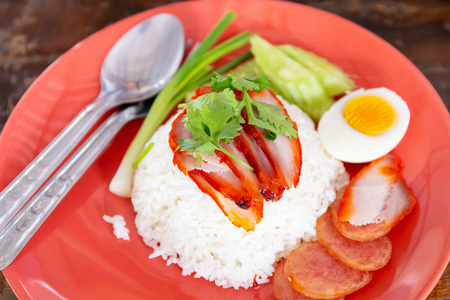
pixel 22 227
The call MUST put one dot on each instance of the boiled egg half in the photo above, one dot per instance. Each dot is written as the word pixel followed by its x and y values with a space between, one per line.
pixel 364 125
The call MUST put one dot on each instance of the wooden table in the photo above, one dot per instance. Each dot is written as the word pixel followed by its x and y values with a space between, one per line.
pixel 33 33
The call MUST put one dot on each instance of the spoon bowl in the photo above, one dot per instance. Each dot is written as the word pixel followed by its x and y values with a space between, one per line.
pixel 143 60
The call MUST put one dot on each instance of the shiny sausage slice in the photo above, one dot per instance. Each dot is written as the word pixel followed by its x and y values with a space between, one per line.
pixel 365 256
pixel 283 290
pixel 312 271
pixel 358 233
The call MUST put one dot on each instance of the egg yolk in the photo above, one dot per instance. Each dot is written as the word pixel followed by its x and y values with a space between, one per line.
pixel 370 114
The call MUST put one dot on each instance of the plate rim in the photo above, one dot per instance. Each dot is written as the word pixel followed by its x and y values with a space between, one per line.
pixel 35 84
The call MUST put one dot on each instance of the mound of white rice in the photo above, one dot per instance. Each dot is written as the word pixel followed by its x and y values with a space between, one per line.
pixel 185 226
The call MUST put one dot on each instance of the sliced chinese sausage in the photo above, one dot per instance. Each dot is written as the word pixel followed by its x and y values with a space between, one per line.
pixel 358 233
pixel 378 193
pixel 365 256
pixel 283 290
pixel 312 271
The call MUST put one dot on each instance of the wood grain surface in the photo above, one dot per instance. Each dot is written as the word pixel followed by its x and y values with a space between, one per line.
pixel 33 33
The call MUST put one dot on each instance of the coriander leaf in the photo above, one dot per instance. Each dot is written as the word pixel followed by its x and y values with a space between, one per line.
pixel 243 84
pixel 195 125
pixel 268 117
pixel 220 83
pixel 216 114
pixel 271 136
pixel 188 145
pixel 262 81
pixel 281 122
pixel 215 118
pixel 199 157
pixel 225 97
pixel 207 148
pixel 212 118
pixel 248 83
pixel 229 131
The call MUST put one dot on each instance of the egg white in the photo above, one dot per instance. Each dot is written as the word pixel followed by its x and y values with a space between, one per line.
pixel 347 144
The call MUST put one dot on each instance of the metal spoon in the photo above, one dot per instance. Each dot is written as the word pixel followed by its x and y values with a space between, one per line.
pixel 137 67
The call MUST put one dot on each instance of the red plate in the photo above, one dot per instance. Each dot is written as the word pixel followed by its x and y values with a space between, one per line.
pixel 75 254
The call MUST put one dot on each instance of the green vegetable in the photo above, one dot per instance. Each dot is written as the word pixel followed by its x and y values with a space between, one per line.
pixel 268 116
pixel 333 79
pixel 241 65
pixel 295 83
pixel 212 118
pixel 143 154
pixel 230 66
pixel 242 69
pixel 216 117
pixel 191 73
pixel 248 83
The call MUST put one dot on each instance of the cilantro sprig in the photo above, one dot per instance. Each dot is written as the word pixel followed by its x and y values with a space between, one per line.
pixel 212 118
pixel 247 83
pixel 216 117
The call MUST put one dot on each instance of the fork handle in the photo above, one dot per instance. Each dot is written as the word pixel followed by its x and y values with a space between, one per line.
pixel 20 190
pixel 24 225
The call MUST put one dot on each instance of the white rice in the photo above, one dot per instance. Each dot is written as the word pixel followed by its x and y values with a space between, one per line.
pixel 185 226
pixel 119 226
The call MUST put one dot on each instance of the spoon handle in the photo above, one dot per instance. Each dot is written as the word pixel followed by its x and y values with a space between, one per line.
pixel 29 219
pixel 20 190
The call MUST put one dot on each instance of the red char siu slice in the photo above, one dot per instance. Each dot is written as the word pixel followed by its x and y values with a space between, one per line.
pixel 286 153
pixel 365 256
pixel 239 192
pixel 283 290
pixel 358 233
pixel 244 213
pixel 312 271
pixel 378 193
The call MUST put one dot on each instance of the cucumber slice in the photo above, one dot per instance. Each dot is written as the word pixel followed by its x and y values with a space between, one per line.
pixel 334 80
pixel 295 83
